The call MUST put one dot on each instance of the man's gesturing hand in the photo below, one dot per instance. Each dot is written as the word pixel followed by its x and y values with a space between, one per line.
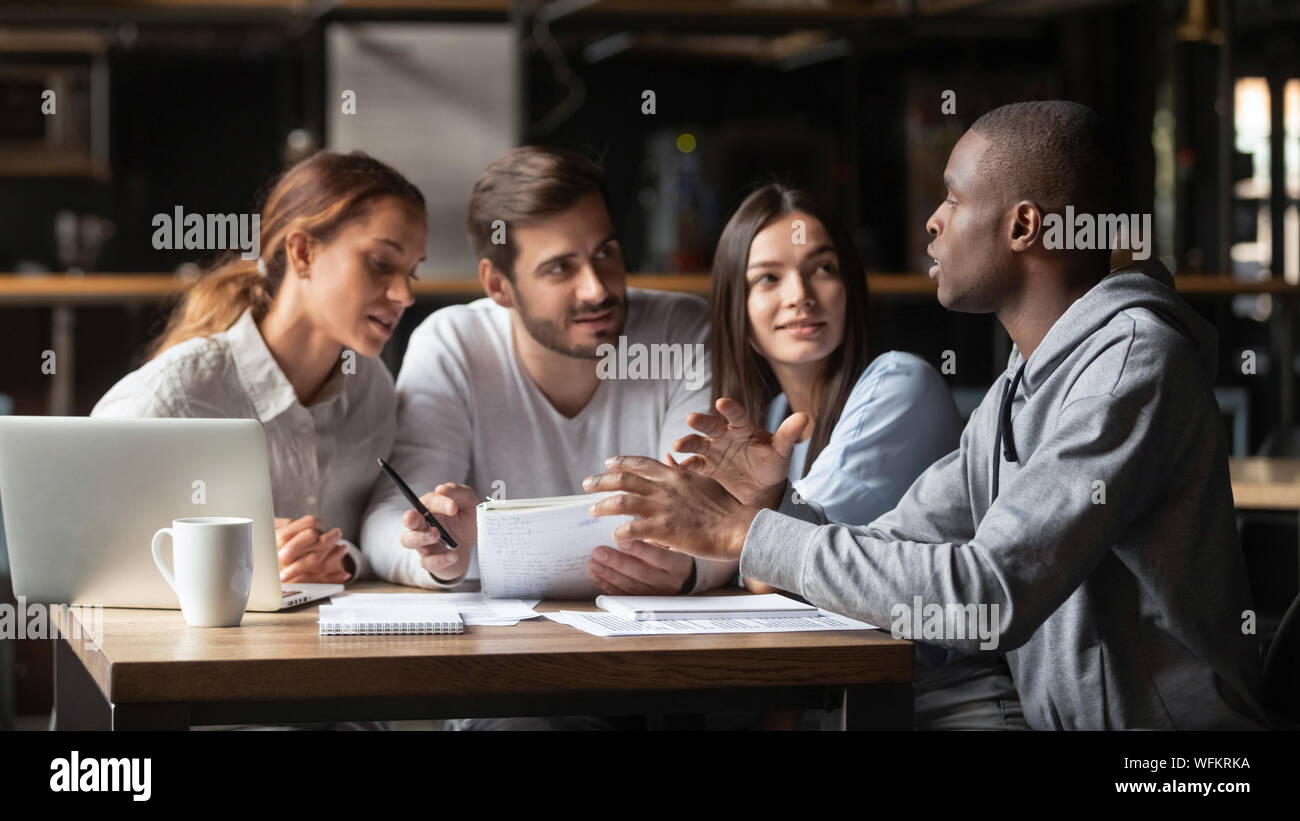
pixel 749 462
pixel 676 508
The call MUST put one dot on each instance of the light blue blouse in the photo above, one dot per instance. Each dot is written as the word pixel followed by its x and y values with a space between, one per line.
pixel 899 420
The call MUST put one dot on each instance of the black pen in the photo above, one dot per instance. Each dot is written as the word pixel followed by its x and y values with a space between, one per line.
pixel 418 505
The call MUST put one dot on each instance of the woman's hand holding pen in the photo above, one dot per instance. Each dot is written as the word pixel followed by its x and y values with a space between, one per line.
pixel 749 462
pixel 453 506
pixel 308 555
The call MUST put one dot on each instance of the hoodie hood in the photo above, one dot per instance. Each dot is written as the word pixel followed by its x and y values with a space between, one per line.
pixel 1143 285
pixel 1146 285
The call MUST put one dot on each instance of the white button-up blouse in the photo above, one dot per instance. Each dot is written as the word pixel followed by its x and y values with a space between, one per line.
pixel 322 457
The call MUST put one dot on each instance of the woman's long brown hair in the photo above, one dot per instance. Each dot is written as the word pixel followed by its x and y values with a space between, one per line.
pixel 319 196
pixel 739 371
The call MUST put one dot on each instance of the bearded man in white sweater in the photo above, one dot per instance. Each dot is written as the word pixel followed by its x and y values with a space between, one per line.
pixel 505 396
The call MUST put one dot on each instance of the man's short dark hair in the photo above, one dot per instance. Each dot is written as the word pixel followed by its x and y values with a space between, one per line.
pixel 527 183
pixel 1052 152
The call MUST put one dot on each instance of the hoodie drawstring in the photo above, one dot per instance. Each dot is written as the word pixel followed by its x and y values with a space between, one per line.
pixel 1005 440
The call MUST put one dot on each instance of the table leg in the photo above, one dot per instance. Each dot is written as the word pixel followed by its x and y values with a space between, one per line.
pixel 877 707
pixel 80 705
pixel 78 702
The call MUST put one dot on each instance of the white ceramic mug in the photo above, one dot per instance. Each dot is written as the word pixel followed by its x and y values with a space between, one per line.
pixel 213 556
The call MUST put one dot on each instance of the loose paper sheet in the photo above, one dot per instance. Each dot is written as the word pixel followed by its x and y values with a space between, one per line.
pixel 605 624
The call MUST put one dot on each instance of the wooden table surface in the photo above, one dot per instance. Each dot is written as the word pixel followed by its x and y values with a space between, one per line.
pixel 1265 484
pixel 148 657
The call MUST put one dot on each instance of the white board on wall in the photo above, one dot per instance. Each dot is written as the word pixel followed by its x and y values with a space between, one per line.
pixel 437 102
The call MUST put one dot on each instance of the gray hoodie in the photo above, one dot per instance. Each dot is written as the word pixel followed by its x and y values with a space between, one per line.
pixel 1092 507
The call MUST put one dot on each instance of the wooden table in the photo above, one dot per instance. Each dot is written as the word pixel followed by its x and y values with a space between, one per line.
pixel 1265 484
pixel 152 671
pixel 1260 483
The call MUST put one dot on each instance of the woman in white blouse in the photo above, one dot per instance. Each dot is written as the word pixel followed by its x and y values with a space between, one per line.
pixel 291 339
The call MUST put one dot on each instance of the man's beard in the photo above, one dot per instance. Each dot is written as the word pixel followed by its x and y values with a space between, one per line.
pixel 550 334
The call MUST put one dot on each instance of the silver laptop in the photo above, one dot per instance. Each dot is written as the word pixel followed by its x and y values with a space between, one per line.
pixel 83 497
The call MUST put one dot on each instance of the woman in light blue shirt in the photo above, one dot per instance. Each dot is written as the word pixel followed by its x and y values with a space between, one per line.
pixel 789 338
pixel 898 420
pixel 789 335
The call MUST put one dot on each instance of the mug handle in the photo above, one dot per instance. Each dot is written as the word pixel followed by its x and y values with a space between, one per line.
pixel 156 547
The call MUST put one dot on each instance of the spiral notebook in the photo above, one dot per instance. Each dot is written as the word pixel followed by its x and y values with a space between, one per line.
pixel 394 619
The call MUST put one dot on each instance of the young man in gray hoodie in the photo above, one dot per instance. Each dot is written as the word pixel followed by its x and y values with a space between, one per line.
pixel 1087 511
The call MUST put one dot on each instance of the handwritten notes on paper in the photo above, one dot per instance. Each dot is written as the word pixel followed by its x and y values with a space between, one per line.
pixel 541 548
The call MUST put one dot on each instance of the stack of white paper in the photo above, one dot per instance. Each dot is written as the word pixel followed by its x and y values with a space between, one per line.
pixel 607 624
pixel 676 608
